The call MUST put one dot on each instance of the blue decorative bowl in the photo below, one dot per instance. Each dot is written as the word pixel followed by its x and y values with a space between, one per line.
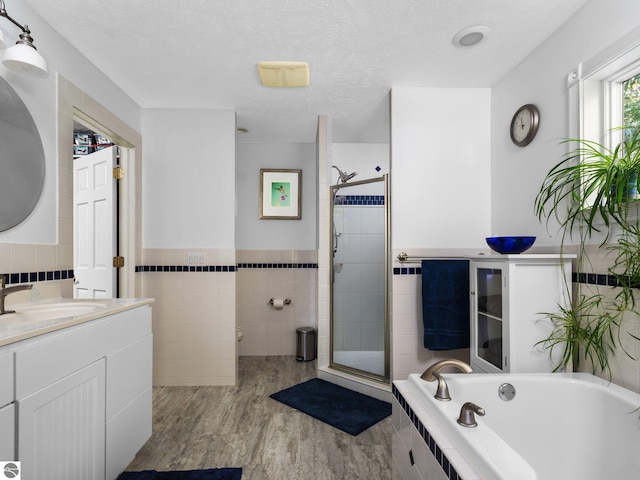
pixel 510 244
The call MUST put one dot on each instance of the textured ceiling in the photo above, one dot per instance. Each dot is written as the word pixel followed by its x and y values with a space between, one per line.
pixel 203 53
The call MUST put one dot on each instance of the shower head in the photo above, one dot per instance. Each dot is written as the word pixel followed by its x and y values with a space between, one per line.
pixel 344 177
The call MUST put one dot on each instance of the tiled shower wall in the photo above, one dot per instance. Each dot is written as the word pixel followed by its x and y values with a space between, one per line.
pixel 266 274
pixel 359 272
pixel 194 315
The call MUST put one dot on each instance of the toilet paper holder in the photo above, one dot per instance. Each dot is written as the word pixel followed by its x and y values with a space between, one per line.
pixel 287 301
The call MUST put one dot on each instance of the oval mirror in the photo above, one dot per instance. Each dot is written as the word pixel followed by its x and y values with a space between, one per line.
pixel 22 166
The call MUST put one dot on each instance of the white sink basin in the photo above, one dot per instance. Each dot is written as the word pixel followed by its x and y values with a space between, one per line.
pixel 50 311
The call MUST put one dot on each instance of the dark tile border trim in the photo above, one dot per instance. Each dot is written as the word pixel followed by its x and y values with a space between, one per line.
pixel 186 268
pixel 45 276
pixel 31 277
pixel 358 200
pixel 219 268
pixel 577 277
pixel 277 265
pixel 407 270
pixel 435 450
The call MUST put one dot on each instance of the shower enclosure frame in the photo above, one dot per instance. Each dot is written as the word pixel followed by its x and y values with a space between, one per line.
pixel 386 378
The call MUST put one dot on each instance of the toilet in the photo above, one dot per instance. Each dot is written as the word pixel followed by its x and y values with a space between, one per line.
pixel 240 333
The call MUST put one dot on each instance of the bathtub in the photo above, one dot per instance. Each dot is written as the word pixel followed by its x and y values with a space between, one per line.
pixel 558 426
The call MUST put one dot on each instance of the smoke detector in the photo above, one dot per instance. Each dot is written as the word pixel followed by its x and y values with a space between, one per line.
pixel 284 74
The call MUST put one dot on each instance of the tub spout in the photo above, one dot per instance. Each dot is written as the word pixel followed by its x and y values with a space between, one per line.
pixel 468 413
pixel 4 291
pixel 433 373
pixel 437 367
pixel 442 390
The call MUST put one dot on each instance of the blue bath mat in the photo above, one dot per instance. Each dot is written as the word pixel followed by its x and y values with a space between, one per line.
pixel 210 474
pixel 349 411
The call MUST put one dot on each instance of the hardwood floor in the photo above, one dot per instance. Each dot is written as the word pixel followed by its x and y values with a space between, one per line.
pixel 215 427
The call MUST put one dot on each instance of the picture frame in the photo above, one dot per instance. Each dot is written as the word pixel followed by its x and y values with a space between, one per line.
pixel 280 194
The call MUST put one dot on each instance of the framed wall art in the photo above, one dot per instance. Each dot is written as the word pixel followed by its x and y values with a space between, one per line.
pixel 280 194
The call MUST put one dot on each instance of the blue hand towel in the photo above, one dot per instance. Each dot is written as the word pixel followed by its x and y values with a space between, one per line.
pixel 445 304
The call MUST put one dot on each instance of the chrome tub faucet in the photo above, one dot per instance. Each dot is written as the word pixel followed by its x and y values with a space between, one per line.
pixel 433 373
pixel 468 414
pixel 4 291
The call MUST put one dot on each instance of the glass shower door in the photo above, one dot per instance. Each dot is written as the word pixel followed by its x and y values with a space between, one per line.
pixel 359 325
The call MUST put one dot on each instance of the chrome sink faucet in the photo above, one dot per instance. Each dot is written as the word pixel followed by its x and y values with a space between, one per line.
pixel 4 291
pixel 433 373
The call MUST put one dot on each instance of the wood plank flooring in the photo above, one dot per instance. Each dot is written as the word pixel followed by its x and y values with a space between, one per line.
pixel 240 426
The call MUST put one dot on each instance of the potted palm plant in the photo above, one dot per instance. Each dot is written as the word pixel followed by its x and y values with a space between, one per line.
pixel 593 191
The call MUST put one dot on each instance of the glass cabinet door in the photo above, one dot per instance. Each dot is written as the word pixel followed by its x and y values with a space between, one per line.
pixel 489 327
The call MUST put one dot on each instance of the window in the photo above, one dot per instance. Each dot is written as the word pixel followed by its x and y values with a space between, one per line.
pixel 604 92
pixel 631 105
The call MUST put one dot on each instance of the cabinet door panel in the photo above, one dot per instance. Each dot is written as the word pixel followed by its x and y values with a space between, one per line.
pixel 7 433
pixel 62 429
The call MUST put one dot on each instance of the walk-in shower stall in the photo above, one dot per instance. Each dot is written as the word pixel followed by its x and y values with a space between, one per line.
pixel 359 270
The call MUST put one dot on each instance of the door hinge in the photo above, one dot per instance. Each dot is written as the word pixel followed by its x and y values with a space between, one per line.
pixel 118 173
pixel 118 262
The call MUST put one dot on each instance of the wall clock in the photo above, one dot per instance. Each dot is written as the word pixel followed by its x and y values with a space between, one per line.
pixel 524 125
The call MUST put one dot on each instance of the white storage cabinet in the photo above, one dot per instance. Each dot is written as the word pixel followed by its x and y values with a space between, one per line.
pixel 509 296
pixel 82 398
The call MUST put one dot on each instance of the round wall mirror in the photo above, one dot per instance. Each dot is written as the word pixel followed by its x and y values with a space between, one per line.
pixel 22 166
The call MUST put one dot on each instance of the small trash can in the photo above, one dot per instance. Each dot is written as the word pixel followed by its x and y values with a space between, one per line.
pixel 306 344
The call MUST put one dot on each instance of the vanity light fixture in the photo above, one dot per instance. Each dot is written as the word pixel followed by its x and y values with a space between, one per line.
pixel 23 56
pixel 471 36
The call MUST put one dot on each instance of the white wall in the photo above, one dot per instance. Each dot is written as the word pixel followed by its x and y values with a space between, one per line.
pixel 258 234
pixel 441 181
pixel 517 173
pixel 39 95
pixel 189 178
pixel 440 199
pixel 541 79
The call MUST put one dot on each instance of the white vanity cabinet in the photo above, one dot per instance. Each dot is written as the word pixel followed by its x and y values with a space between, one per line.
pixel 7 408
pixel 83 397
pixel 509 296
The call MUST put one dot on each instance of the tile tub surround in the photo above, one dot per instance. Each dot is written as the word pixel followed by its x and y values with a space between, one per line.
pixel 266 274
pixel 194 316
pixel 420 444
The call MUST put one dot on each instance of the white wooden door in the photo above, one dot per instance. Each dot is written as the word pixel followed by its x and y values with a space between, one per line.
pixel 94 225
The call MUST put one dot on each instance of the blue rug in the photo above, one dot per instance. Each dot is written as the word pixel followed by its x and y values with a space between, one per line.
pixel 349 411
pixel 210 474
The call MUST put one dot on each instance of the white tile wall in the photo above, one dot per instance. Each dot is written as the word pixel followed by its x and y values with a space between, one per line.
pixel 409 354
pixel 268 331
pixel 194 319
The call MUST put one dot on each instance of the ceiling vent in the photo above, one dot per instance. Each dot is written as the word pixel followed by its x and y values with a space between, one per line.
pixel 284 74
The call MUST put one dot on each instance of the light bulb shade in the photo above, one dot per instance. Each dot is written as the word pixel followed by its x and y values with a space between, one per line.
pixel 25 60
pixel 2 42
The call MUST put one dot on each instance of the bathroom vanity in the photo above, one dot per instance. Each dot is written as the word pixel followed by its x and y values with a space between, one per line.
pixel 510 295
pixel 75 395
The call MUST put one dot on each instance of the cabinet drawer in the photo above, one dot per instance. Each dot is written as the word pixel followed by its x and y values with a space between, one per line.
pixel 6 379
pixel 127 432
pixel 129 373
